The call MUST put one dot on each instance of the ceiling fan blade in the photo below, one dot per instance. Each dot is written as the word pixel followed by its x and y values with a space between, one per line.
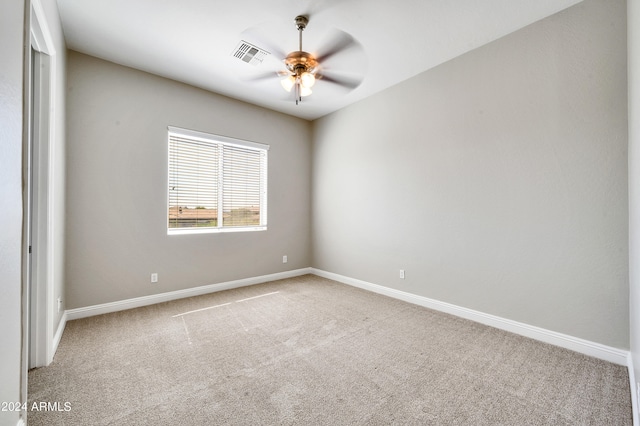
pixel 348 82
pixel 339 42
pixel 317 8
pixel 267 76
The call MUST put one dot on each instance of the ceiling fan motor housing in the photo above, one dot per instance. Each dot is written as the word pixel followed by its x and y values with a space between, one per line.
pixel 299 62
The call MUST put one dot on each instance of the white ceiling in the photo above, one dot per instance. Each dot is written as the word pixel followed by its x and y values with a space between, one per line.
pixel 193 40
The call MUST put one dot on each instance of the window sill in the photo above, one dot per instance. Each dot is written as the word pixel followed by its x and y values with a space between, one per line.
pixel 178 231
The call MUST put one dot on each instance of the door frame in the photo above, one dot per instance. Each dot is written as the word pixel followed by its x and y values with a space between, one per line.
pixel 38 273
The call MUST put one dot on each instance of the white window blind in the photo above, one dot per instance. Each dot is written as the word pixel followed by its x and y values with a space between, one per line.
pixel 215 183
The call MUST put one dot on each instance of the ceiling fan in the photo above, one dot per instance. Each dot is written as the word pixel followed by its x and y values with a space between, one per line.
pixel 304 69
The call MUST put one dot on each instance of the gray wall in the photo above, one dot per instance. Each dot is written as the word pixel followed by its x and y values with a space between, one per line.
pixel 117 178
pixel 11 98
pixel 634 180
pixel 498 180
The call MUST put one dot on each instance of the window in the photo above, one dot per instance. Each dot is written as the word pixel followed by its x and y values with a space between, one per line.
pixel 216 184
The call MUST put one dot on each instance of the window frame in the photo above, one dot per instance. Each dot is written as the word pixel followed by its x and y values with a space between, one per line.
pixel 221 141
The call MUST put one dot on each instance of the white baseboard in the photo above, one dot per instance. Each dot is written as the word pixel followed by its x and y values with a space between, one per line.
pixel 635 396
pixel 59 331
pixel 586 347
pixel 20 422
pixel 137 302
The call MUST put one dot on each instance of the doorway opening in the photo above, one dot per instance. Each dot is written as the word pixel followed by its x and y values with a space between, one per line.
pixel 38 304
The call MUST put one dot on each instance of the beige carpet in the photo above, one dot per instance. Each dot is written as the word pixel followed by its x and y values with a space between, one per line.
pixel 310 351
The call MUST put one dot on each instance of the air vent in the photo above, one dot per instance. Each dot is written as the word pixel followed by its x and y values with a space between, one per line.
pixel 249 53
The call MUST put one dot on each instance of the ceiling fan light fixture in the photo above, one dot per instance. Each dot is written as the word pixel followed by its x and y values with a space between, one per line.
pixel 305 91
pixel 307 80
pixel 288 83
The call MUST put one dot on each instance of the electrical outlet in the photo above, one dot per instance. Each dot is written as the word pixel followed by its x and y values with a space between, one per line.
pixel 284 259
pixel 154 277
pixel 59 304
pixel 402 273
